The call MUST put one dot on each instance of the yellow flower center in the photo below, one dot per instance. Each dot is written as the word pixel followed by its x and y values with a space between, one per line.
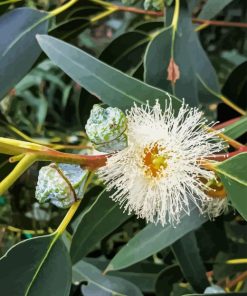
pixel 154 162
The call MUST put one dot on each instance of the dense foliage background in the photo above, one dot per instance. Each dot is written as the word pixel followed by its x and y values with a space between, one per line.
pixel 40 102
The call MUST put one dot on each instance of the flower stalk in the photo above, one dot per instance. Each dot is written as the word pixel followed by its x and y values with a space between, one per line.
pixel 26 154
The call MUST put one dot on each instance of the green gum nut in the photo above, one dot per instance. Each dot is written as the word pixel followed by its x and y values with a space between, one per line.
pixel 105 129
pixel 60 184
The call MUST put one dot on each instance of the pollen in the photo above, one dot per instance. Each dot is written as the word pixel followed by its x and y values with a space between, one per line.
pixel 155 161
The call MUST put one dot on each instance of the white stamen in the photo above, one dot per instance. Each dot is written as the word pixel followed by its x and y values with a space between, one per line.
pixel 181 140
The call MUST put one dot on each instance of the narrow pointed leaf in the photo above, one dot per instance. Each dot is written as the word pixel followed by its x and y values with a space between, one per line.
pixel 103 285
pixel 236 129
pixel 187 254
pixel 154 238
pixel 108 84
pixel 212 8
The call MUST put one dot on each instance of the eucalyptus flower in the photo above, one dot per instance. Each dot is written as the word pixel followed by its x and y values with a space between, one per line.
pixel 160 174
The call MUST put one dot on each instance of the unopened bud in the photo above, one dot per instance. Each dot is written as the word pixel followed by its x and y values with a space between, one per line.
pixel 60 184
pixel 105 129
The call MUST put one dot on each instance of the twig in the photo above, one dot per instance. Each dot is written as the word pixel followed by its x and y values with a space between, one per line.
pixel 219 23
pixel 194 20
pixel 238 279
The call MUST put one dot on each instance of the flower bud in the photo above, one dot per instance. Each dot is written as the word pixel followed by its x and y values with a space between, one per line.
pixel 60 184
pixel 105 129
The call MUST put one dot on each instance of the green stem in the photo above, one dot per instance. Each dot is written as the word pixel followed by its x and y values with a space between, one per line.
pixel 103 14
pixel 9 2
pixel 174 25
pixel 63 225
pixel 221 97
pixel 61 9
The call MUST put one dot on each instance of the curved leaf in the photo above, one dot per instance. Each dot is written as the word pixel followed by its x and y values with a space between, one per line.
pixel 233 175
pixel 187 254
pixel 33 268
pixel 103 285
pixel 96 223
pixel 212 8
pixel 190 58
pixel 110 85
pixel 237 128
pixel 154 238
pixel 18 46
pixel 126 51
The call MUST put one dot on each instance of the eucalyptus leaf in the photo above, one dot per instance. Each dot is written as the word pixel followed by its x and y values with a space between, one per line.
pixel 190 58
pixel 212 8
pixel 218 294
pixel 33 268
pixel 103 284
pixel 18 47
pixel 237 128
pixel 166 278
pixel 126 51
pixel 108 84
pixel 96 222
pixel 144 274
pixel 154 238
pixel 69 28
pixel 187 254
pixel 233 175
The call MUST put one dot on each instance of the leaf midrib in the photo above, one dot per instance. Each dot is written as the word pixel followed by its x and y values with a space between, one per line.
pixel 23 34
pixel 85 69
pixel 154 237
pixel 224 173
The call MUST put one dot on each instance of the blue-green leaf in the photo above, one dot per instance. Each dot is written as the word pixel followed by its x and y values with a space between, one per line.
pixel 154 238
pixel 108 84
pixel 18 47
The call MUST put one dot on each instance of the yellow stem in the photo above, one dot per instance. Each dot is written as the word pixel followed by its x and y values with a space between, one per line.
pixel 16 158
pixel 18 230
pixel 61 9
pixel 176 15
pixel 208 165
pixel 230 141
pixel 222 98
pixel 61 228
pixel 17 147
pixel 174 29
pixel 44 143
pixel 231 104
pixel 9 2
pixel 26 137
pixel 201 27
pixel 103 14
pixel 237 261
pixel 235 144
pixel 239 286
pixel 19 169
